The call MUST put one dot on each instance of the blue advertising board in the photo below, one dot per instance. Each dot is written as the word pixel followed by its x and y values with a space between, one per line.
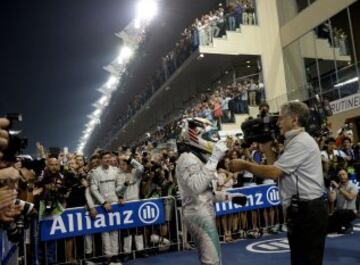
pixel 77 222
pixel 261 196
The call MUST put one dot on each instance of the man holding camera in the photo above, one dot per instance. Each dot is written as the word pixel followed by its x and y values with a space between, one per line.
pixel 8 211
pixel 299 174
pixel 344 193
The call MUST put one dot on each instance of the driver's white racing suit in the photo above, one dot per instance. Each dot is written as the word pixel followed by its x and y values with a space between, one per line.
pixel 197 193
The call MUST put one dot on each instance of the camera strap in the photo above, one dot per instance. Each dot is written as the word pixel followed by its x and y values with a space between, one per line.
pixel 297 185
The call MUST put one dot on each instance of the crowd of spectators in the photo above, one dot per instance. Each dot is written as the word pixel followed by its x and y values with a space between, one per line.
pixel 337 37
pixel 68 180
pixel 200 33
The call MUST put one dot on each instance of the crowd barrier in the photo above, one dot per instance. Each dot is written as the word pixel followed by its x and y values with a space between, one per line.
pixel 8 250
pixel 157 221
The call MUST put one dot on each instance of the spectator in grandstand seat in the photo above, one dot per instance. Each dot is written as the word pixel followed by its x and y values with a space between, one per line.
pixel 238 12
pixel 226 109
pixel 244 98
pixel 105 181
pixel 213 23
pixel 217 112
pixel 231 18
pixel 301 184
pixel 344 192
pixel 221 22
pixel 252 93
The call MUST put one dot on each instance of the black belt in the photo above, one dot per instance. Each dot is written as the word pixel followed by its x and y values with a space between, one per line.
pixel 309 203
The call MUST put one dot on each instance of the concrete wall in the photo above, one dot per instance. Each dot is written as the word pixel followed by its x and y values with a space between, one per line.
pixel 272 53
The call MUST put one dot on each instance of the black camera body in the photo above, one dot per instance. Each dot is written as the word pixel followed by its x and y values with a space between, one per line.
pixel 15 229
pixel 261 130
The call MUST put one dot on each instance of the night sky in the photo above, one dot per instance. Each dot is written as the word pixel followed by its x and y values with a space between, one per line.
pixel 51 59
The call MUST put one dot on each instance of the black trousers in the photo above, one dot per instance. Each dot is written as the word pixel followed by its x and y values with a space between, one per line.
pixel 340 218
pixel 307 232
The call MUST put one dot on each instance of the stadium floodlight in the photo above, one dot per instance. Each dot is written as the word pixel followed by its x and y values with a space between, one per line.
pixel 103 100
pixel 112 81
pixel 86 136
pixel 88 129
pixel 137 23
pixel 146 10
pixel 93 122
pixel 125 53
pixel 97 113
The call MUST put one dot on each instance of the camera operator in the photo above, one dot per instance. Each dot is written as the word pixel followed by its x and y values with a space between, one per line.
pixel 301 184
pixel 344 193
pixel 105 181
pixel 269 213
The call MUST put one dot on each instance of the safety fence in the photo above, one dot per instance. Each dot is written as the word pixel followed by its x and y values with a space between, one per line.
pixel 136 229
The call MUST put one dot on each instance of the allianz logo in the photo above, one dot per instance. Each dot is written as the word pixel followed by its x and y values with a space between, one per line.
pixel 149 212
pixel 270 197
pixel 273 196
pixel 279 245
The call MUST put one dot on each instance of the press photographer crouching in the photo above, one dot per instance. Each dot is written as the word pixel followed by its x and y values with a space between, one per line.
pixel 301 184
pixel 344 192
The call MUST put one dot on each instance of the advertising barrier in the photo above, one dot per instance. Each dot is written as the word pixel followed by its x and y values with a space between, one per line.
pixel 77 222
pixel 261 196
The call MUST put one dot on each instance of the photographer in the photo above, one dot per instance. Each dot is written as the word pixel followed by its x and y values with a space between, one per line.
pixel 344 193
pixel 52 182
pixel 8 194
pixel 8 177
pixel 301 184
